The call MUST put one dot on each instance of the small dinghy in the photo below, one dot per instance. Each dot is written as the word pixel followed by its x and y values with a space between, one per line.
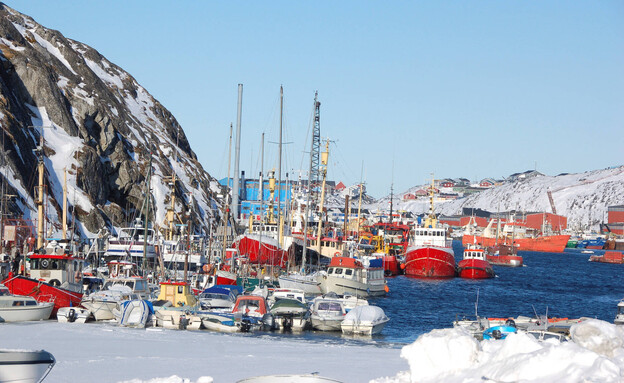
pixel 134 313
pixel 73 314
pixel 25 366
pixel 365 320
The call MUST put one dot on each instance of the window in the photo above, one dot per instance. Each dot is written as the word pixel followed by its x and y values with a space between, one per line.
pixel 338 271
pixel 330 270
pixel 348 272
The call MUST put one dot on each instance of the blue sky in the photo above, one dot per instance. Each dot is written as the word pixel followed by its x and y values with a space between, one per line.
pixel 407 88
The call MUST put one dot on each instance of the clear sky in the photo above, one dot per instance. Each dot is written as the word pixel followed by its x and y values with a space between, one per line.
pixel 468 89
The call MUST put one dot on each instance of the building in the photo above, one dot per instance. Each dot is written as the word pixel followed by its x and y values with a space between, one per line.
pixel 615 220
pixel 524 175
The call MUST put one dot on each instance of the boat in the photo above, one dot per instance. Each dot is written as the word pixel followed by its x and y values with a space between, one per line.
pixel 178 318
pixel 475 265
pixel 430 253
pixel 299 378
pixel 544 243
pixel 131 242
pixel 610 256
pixel 19 308
pixel 220 322
pixel 54 275
pixel 135 313
pixel 217 298
pixel 123 285
pixel 73 315
pixel 22 366
pixel 252 312
pixel 619 317
pixel 349 276
pixel 308 283
pixel 503 255
pixel 364 320
pixel 499 332
pixel 327 314
pixel 596 243
pixel 290 314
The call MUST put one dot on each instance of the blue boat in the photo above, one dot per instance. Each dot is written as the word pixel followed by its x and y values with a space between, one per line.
pixel 499 332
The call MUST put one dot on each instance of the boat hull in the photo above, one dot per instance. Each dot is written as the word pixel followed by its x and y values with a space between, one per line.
pixel 27 313
pixel 261 250
pixel 343 286
pixel 549 244
pixel 475 269
pixel 101 310
pixel 505 260
pixel 323 323
pixel 608 257
pixel 430 262
pixel 25 366
pixel 309 286
pixel 43 292
pixel 390 265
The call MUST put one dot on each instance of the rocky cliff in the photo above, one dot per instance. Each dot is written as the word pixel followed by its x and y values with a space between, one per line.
pixel 99 125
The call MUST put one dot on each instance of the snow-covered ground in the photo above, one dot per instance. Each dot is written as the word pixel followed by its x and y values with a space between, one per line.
pixel 106 353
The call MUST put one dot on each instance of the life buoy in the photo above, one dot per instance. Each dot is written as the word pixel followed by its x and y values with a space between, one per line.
pixel 55 282
pixel 337 254
pixel 45 263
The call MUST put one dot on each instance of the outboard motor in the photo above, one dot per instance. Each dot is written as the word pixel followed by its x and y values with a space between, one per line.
pixel 287 323
pixel 184 321
pixel 246 324
pixel 497 334
pixel 269 321
pixel 71 315
pixel 510 323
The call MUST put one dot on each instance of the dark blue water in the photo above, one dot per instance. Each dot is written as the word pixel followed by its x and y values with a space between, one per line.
pixel 566 284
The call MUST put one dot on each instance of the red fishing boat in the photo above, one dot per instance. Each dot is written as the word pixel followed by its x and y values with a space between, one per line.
pixel 475 265
pixel 503 255
pixel 54 275
pixel 608 257
pixel 430 255
pixel 260 249
pixel 546 243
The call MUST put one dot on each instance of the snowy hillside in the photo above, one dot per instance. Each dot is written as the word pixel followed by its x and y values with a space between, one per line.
pixel 583 197
pixel 97 123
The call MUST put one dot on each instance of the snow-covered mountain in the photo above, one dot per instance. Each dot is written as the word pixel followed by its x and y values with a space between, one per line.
pixel 99 124
pixel 582 197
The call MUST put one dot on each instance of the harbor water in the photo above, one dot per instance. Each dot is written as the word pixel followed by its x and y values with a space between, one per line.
pixel 562 284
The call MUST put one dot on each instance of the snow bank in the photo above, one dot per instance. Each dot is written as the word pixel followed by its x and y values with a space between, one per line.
pixel 595 354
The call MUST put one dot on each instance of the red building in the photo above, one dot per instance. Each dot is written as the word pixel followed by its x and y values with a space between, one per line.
pixel 615 219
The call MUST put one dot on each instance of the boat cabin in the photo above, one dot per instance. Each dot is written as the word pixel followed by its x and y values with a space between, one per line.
pixel 351 268
pixel 252 305
pixel 57 267
pixel 474 254
pixel 178 293
pixel 429 236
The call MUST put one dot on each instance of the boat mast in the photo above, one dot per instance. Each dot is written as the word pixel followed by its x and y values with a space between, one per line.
pixel 279 168
pixel 226 204
pixel 324 158
pixel 360 204
pixel 147 211
pixel 39 199
pixel 64 203
pixel 235 188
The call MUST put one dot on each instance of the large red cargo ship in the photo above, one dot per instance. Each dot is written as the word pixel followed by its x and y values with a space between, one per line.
pixel 547 243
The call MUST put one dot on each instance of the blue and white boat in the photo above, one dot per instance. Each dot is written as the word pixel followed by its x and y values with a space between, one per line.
pixel 499 332
pixel 135 313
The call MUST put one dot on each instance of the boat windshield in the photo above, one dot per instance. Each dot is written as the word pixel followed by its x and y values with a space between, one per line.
pixel 214 296
pixel 4 291
pixel 620 310
pixel 329 306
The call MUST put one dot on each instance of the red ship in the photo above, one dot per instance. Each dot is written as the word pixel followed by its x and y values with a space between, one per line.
pixel 608 257
pixel 259 249
pixel 53 276
pixel 475 265
pixel 503 255
pixel 547 243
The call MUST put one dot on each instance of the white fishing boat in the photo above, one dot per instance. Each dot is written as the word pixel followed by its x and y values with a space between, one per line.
pixel 217 298
pixel 73 315
pixel 18 308
pixel 19 366
pixel 132 242
pixel 348 276
pixel 178 318
pixel 364 320
pixel 220 322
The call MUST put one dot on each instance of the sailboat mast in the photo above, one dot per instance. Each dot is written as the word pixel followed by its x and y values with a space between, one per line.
pixel 147 211
pixel 235 188
pixel 65 203
pixel 227 195
pixel 39 201
pixel 279 166
pixel 360 203
pixel 324 158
